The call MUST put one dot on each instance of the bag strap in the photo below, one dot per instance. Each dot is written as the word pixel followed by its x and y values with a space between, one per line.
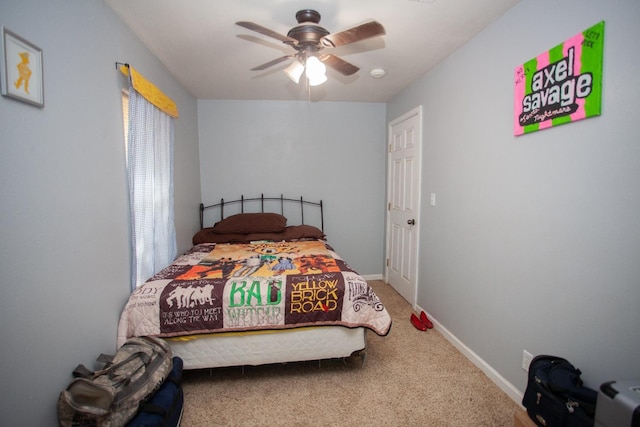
pixel 564 378
pixel 144 357
pixel 81 371
pixel 125 379
pixel 107 359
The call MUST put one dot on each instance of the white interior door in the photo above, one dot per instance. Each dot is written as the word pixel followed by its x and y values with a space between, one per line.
pixel 403 203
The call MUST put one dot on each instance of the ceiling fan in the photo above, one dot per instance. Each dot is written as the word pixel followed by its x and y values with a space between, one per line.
pixel 308 39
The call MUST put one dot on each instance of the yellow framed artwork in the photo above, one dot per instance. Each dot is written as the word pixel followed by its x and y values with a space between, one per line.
pixel 22 77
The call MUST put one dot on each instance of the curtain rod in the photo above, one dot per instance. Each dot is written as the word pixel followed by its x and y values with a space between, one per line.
pixel 121 63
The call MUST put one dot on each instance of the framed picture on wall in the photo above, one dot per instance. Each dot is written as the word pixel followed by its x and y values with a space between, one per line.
pixel 561 85
pixel 22 77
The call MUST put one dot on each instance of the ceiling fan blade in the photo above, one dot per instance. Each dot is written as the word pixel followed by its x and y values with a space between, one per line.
pixel 271 63
pixel 267 32
pixel 339 64
pixel 355 34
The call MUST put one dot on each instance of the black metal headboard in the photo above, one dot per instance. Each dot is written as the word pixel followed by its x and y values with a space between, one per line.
pixel 282 201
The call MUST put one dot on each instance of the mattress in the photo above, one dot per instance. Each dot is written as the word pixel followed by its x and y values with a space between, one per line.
pixel 266 347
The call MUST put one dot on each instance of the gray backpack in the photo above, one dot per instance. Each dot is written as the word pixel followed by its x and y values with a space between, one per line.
pixel 110 397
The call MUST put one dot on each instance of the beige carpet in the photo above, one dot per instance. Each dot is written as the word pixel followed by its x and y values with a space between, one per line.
pixel 409 378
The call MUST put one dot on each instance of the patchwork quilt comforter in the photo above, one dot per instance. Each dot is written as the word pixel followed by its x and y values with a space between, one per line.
pixel 254 286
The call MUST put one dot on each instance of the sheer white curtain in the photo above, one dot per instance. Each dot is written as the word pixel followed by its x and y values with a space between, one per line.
pixel 150 175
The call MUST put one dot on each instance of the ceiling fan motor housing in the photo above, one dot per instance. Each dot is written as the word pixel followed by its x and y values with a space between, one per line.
pixel 307 15
pixel 308 32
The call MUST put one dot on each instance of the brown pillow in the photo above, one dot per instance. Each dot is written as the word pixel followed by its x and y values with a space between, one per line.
pixel 296 232
pixel 292 232
pixel 274 237
pixel 247 223
pixel 207 235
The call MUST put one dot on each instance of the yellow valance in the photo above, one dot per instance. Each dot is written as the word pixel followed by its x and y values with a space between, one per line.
pixel 150 91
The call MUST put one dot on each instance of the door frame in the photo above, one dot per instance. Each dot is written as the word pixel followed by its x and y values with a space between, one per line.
pixel 413 112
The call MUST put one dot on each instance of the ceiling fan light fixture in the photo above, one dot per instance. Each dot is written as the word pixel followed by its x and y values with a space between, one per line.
pixel 294 71
pixel 315 71
pixel 317 80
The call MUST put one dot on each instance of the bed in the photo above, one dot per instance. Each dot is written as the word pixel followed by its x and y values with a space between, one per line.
pixel 257 288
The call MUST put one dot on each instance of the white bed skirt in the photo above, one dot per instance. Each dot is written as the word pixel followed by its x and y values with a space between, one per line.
pixel 265 347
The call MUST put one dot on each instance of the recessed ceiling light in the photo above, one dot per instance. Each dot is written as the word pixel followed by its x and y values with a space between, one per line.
pixel 377 73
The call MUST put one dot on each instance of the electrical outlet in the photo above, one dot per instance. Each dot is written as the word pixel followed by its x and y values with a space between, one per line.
pixel 526 360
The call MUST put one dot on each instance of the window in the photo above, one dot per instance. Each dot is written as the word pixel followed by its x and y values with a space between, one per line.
pixel 149 151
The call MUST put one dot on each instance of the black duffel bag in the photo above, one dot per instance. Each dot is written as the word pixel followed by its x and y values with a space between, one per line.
pixel 555 395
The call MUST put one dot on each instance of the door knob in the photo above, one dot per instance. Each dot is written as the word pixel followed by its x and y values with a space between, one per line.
pixel 411 222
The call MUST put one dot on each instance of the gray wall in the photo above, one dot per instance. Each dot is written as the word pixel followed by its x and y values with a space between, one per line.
pixel 64 251
pixel 535 241
pixel 329 151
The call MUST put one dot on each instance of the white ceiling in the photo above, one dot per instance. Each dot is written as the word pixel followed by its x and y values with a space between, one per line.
pixel 200 45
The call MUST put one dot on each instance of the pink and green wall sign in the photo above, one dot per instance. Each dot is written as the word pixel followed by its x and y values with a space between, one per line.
pixel 561 85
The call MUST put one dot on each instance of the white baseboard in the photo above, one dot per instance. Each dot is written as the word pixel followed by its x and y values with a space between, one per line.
pixel 373 277
pixel 499 380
